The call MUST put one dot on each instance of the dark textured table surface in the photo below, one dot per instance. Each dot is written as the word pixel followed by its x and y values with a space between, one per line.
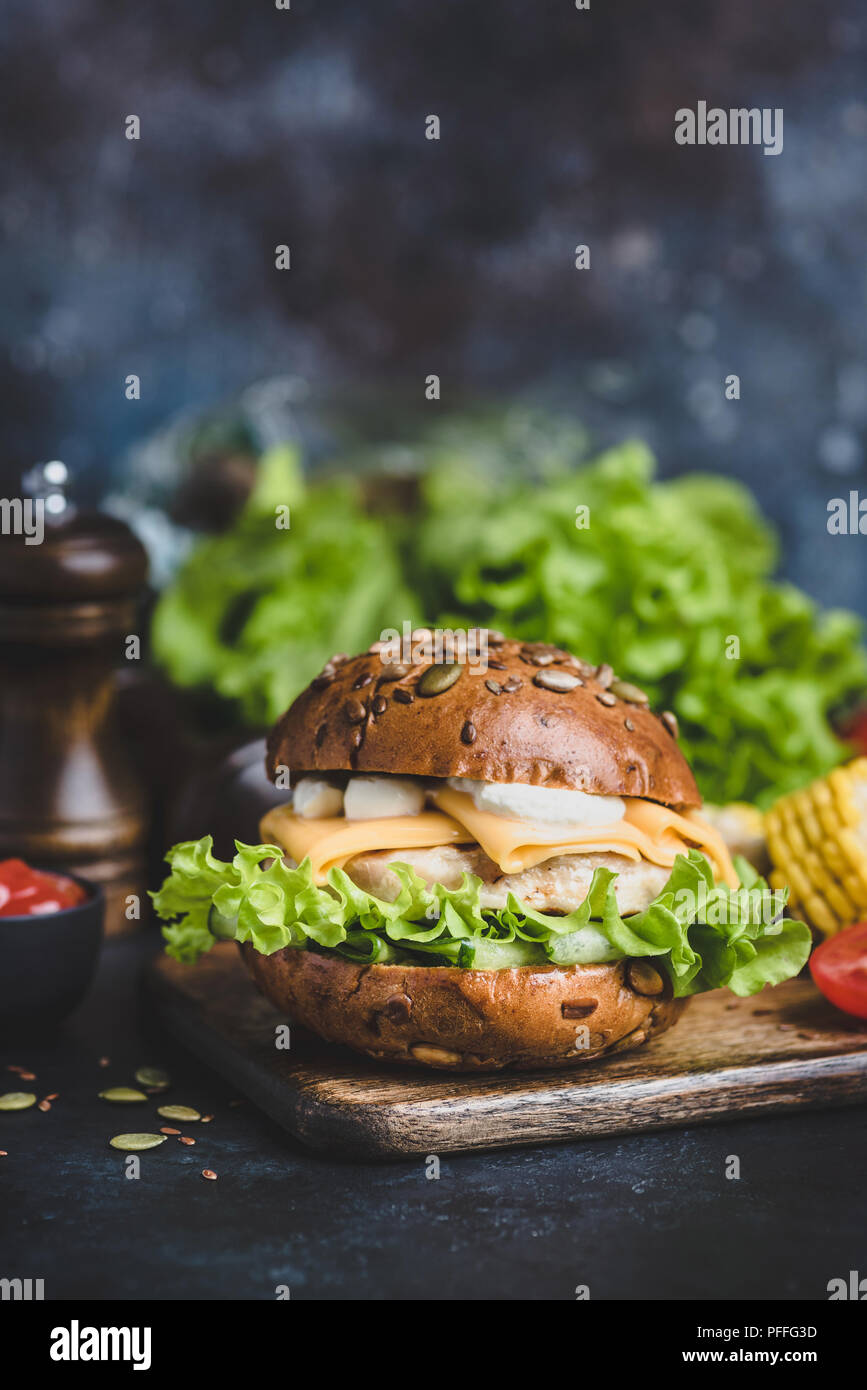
pixel 651 1217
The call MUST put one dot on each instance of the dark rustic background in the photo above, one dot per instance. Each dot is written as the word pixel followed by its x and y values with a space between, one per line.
pixel 261 126
pixel 409 257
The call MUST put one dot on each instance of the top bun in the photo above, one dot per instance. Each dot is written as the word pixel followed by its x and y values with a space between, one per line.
pixel 536 715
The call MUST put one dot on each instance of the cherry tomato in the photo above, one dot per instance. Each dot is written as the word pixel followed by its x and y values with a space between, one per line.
pixel 28 892
pixel 839 968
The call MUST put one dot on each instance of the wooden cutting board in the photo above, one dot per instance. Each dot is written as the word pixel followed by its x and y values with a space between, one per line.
pixel 727 1057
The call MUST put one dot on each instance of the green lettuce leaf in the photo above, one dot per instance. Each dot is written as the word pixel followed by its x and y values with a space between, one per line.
pixel 702 935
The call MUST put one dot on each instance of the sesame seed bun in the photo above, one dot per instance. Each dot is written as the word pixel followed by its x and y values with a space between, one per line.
pixel 536 715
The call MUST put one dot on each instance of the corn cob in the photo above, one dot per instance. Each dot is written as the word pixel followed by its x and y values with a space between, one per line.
pixel 817 841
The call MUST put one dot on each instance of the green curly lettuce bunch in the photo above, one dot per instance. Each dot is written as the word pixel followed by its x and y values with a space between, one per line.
pixel 701 934
pixel 668 582
pixel 256 612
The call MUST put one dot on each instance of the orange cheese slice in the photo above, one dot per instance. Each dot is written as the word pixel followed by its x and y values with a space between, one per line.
pixel 666 828
pixel 517 845
pixel 647 831
pixel 333 840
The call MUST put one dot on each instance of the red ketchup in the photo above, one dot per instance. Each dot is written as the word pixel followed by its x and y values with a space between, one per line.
pixel 26 892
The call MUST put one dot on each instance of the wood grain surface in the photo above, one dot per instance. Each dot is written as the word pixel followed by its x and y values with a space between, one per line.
pixel 727 1057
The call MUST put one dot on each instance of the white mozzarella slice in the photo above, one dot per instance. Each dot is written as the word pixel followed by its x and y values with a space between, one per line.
pixel 370 798
pixel 541 805
pixel 315 799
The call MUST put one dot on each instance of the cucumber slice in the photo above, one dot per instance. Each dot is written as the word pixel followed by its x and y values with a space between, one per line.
pixel 505 955
pixel 366 948
pixel 589 946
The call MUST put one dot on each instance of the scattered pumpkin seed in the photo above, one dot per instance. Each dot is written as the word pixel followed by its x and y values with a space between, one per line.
pixel 122 1095
pixel 17 1100
pixel 132 1143
pixel 178 1112
pixel 440 677
pixel 153 1076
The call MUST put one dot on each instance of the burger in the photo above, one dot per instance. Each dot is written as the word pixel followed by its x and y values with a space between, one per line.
pixel 478 867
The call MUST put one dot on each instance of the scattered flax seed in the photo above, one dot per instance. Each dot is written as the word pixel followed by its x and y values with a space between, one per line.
pixel 44 1105
pixel 233 1103
pixel 164 1129
pixel 209 1173
pixel 55 1095
pixel 105 1061
pixel 27 1075
pixel 13 1068
pixel 206 1119
pixel 4 1153
pixel 185 1139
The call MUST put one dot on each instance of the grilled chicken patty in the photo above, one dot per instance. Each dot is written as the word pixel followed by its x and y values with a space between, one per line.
pixel 558 885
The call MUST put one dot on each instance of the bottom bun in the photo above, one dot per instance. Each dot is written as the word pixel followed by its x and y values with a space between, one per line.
pixel 469 1020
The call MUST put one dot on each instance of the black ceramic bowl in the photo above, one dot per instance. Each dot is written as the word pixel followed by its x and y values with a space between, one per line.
pixel 47 962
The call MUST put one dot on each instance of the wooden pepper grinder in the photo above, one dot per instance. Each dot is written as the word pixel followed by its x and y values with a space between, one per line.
pixel 69 797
